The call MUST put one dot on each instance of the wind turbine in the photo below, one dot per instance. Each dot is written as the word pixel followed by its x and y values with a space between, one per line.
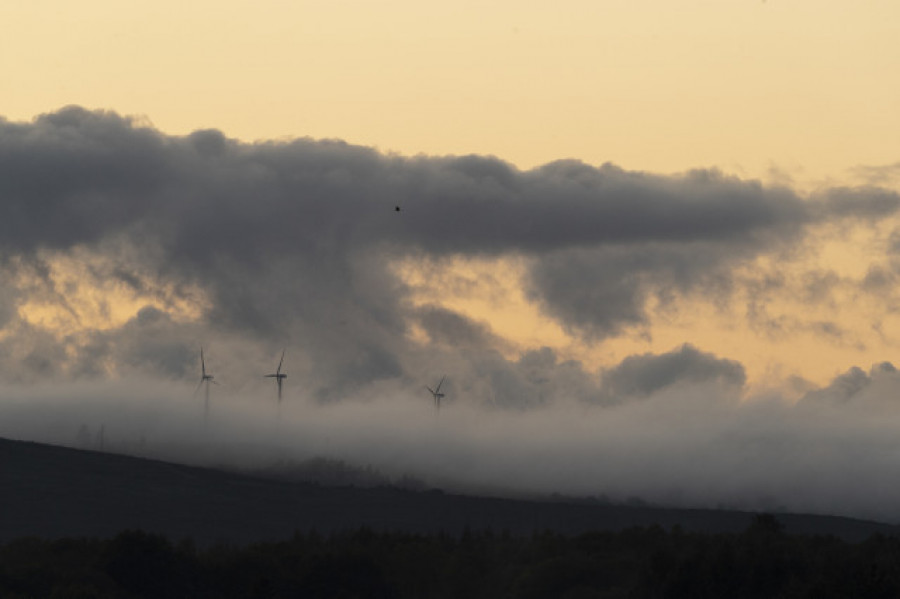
pixel 436 393
pixel 204 378
pixel 278 376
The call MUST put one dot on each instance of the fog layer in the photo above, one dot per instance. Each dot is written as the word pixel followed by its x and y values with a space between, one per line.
pixel 689 445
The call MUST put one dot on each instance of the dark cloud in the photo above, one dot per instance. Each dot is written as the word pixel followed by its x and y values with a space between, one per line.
pixel 295 243
pixel 76 176
pixel 819 286
pixel 446 327
pixel 30 354
pixel 828 329
pixel 600 291
pixel 852 383
pixel 537 378
pixel 869 203
pixel 893 246
pixel 9 298
pixel 642 375
pixel 151 343
pixel 878 279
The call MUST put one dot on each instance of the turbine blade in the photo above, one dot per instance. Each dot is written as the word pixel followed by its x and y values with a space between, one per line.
pixel 280 362
pixel 441 383
pixel 430 389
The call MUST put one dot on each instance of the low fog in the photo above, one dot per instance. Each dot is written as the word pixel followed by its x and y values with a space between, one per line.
pixel 835 451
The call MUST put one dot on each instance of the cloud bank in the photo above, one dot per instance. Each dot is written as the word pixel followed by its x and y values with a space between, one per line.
pixel 296 242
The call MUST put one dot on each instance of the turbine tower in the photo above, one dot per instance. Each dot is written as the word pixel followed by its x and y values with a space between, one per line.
pixel 278 376
pixel 204 378
pixel 436 393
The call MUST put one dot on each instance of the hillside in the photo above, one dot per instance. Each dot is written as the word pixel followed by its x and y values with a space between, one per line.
pixel 51 491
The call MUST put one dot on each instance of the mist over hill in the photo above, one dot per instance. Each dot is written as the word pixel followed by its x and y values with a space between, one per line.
pixel 683 448
pixel 54 492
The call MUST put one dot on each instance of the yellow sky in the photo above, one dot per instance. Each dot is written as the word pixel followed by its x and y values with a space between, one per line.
pixel 806 86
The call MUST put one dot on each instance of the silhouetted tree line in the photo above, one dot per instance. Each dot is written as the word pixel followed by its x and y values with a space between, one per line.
pixel 650 562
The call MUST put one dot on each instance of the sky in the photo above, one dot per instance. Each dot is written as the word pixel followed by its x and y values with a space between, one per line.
pixel 633 235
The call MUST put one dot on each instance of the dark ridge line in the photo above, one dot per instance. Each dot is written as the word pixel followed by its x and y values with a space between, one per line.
pixel 55 491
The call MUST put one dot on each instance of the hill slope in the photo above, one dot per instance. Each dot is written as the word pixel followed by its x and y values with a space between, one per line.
pixel 51 491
